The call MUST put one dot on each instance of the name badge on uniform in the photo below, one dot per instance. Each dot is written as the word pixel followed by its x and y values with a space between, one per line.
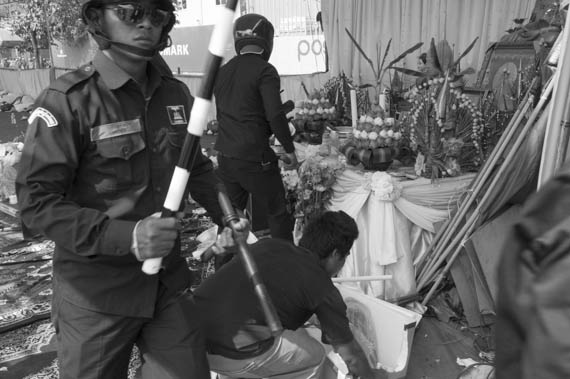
pixel 116 129
pixel 176 114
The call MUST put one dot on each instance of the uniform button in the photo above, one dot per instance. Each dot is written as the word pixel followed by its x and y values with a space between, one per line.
pixel 157 189
pixel 88 68
pixel 154 149
pixel 126 150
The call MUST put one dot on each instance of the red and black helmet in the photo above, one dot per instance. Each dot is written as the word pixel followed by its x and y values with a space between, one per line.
pixel 254 29
pixel 105 43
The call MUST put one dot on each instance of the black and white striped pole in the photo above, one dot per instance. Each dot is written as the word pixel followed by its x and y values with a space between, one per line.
pixel 221 36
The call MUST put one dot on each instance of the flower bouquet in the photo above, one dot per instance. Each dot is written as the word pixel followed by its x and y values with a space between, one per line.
pixel 310 189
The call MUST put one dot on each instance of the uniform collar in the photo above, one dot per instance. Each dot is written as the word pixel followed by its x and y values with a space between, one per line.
pixel 115 77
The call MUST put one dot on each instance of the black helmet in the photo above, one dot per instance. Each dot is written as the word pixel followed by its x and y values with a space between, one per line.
pixel 254 29
pixel 105 43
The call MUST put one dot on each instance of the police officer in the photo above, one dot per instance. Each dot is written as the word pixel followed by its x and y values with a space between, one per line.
pixel 249 111
pixel 98 157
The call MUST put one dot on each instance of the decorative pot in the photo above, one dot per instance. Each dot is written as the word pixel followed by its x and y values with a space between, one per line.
pixel 381 159
pixel 364 156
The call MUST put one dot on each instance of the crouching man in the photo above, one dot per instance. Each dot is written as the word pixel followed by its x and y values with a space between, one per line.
pixel 298 280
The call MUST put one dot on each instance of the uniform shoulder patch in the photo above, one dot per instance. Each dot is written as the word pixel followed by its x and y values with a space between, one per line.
pixel 176 114
pixel 67 81
pixel 45 115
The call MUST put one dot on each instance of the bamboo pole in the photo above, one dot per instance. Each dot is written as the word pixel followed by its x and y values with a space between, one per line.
pixel 451 223
pixel 485 171
pixel 369 278
pixel 551 151
pixel 563 143
pixel 441 254
pixel 470 225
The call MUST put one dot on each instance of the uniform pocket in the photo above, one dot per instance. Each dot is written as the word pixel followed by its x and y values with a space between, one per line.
pixel 122 147
pixel 176 135
pixel 117 165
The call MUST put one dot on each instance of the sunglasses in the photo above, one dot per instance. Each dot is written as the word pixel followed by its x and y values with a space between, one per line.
pixel 134 13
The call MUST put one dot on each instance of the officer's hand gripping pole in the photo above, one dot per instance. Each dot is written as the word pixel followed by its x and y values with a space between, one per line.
pixel 220 37
pixel 230 220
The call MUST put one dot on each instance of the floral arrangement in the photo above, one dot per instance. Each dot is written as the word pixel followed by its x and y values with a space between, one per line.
pixel 443 127
pixel 447 145
pixel 449 132
pixel 337 91
pixel 309 189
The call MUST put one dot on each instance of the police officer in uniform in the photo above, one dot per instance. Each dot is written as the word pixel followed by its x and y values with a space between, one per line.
pixel 97 162
pixel 249 111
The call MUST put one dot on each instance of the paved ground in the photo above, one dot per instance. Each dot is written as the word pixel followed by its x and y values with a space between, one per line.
pixel 9 131
pixel 10 231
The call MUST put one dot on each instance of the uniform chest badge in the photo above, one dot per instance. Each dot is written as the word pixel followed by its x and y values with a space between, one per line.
pixel 45 115
pixel 176 115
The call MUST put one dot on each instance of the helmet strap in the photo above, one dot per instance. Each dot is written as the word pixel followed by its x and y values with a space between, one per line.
pixel 107 43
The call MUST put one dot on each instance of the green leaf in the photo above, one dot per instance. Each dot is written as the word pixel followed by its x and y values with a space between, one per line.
pixel 361 51
pixel 405 53
pixel 434 57
pixel 407 71
pixel 467 71
pixel 465 52
pixel 385 55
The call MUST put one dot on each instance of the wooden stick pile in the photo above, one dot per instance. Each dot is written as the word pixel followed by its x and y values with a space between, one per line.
pixel 450 239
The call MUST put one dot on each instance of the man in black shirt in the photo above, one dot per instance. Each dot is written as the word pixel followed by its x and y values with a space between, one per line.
pixel 249 111
pixel 298 280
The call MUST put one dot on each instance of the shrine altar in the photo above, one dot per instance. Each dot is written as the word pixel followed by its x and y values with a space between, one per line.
pixel 396 219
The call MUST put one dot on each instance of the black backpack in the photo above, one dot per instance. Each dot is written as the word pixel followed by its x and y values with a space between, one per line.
pixel 533 303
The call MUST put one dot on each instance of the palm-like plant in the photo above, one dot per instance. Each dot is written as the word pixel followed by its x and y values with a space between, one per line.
pixel 378 69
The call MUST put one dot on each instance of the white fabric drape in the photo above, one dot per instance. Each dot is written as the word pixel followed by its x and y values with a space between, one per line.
pixel 407 22
pixel 396 221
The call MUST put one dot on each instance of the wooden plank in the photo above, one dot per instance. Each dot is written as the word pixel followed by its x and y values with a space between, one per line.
pixel 9 209
pixel 464 280
pixel 484 296
pixel 488 242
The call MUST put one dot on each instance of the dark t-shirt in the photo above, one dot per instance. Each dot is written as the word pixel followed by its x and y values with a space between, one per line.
pixel 249 109
pixel 297 285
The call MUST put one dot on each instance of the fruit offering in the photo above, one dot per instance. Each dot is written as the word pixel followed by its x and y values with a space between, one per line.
pixel 311 117
pixel 373 131
pixel 316 108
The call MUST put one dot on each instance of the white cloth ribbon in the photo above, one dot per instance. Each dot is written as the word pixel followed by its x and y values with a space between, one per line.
pixel 382 186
